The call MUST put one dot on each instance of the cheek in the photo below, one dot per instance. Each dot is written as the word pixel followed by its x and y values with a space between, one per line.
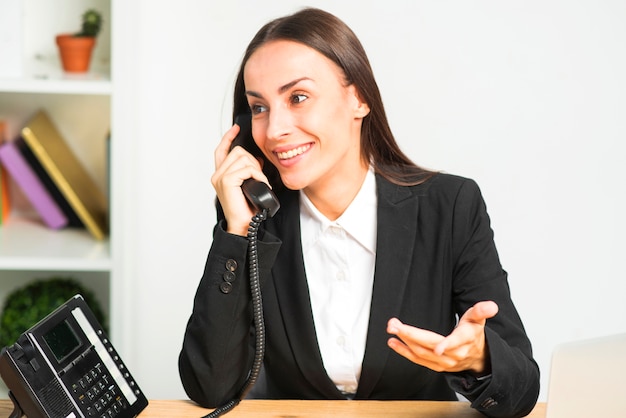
pixel 258 134
pixel 260 139
pixel 328 120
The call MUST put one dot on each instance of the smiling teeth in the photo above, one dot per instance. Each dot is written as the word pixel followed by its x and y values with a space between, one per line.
pixel 292 152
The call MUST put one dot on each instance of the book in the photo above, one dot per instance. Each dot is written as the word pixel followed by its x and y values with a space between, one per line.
pixel 30 184
pixel 67 173
pixel 46 180
pixel 5 202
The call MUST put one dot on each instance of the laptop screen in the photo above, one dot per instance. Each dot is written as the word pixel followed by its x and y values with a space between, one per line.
pixel 587 379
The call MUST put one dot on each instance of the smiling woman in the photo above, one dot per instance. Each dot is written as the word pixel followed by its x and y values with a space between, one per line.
pixel 307 121
pixel 365 243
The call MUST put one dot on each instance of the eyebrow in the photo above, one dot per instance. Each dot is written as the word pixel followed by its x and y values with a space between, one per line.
pixel 281 89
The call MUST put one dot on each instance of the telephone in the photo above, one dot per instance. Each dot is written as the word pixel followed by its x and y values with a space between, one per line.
pixel 66 367
pixel 257 193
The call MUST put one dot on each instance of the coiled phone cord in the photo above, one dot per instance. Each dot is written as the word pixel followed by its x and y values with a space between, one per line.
pixel 257 314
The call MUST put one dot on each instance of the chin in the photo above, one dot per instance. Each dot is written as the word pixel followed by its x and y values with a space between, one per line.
pixel 293 184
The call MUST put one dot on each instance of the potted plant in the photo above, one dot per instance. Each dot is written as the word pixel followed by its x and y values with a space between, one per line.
pixel 75 49
pixel 25 306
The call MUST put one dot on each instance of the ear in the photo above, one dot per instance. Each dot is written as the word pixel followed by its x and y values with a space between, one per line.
pixel 361 108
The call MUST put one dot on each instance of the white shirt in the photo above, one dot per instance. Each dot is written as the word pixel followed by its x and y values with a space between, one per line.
pixel 339 259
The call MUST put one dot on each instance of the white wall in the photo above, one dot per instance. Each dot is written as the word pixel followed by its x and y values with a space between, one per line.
pixel 528 97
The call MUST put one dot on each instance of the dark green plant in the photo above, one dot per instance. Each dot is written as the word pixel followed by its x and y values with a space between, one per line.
pixel 26 306
pixel 92 23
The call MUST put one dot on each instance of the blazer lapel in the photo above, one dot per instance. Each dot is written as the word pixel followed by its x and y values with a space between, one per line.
pixel 390 277
pixel 394 250
pixel 294 301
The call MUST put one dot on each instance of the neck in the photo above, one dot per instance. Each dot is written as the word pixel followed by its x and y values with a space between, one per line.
pixel 333 199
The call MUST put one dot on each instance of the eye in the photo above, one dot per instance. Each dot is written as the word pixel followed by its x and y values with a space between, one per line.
pixel 256 109
pixel 298 98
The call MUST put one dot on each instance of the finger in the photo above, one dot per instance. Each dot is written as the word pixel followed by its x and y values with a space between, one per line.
pixel 414 353
pixel 223 148
pixel 476 316
pixel 237 165
pixel 460 336
pixel 480 312
pixel 422 356
pixel 236 168
pixel 418 345
pixel 413 335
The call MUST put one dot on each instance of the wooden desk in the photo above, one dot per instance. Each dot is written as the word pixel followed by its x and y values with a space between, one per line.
pixel 312 409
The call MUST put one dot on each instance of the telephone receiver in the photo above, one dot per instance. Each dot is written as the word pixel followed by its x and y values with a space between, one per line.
pixel 257 193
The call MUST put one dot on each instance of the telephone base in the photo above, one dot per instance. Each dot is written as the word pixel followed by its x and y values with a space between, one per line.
pixel 17 410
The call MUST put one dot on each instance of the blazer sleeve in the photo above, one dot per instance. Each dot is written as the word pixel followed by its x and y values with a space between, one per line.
pixel 218 345
pixel 513 386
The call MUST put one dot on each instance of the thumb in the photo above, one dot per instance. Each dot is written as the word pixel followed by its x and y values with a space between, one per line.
pixel 476 315
pixel 480 312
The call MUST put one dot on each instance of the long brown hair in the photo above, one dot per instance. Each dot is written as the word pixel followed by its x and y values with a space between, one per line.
pixel 331 37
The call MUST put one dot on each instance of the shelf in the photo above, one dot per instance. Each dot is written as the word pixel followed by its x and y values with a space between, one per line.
pixel 60 86
pixel 28 245
pixel 66 84
pixel 45 75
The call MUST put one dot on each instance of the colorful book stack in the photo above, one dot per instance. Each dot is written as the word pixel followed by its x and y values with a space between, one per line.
pixel 53 179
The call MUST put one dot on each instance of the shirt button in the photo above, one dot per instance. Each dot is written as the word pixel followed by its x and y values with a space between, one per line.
pixel 335 230
pixel 341 275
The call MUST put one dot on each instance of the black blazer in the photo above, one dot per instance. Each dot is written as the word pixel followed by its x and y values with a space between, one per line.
pixel 435 258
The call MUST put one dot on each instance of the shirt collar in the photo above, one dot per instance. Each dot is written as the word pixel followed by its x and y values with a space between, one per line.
pixel 359 220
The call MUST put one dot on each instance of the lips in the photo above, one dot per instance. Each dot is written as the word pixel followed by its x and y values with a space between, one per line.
pixel 294 152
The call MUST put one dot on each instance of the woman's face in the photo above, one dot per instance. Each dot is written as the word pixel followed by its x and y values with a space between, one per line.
pixel 305 118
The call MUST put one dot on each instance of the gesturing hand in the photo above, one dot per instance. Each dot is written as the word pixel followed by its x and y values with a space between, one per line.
pixel 463 349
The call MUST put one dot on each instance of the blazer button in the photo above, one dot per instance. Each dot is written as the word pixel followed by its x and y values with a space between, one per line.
pixel 488 403
pixel 228 276
pixel 226 287
pixel 231 265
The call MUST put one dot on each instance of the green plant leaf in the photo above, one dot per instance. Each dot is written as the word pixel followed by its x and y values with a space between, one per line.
pixel 28 305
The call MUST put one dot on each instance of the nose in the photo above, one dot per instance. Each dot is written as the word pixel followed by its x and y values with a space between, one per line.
pixel 279 124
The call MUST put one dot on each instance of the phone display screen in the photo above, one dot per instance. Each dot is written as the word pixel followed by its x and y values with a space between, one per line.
pixel 62 340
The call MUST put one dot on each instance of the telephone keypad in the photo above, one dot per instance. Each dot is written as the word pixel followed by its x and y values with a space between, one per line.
pixel 97 394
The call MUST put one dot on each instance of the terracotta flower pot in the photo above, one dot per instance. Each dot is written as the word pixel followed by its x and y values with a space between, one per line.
pixel 75 52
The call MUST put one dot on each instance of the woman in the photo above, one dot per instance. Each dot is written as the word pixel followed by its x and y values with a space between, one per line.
pixel 380 279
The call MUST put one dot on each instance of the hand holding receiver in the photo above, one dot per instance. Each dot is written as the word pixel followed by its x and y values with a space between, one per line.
pixel 257 193
pixel 266 204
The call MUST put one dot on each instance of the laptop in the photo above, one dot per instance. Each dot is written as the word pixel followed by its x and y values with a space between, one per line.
pixel 587 379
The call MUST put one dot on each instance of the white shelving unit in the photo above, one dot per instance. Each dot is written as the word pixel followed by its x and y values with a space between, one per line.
pixel 68 85
pixel 80 107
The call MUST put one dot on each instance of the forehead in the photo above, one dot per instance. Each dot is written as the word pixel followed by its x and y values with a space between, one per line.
pixel 283 61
